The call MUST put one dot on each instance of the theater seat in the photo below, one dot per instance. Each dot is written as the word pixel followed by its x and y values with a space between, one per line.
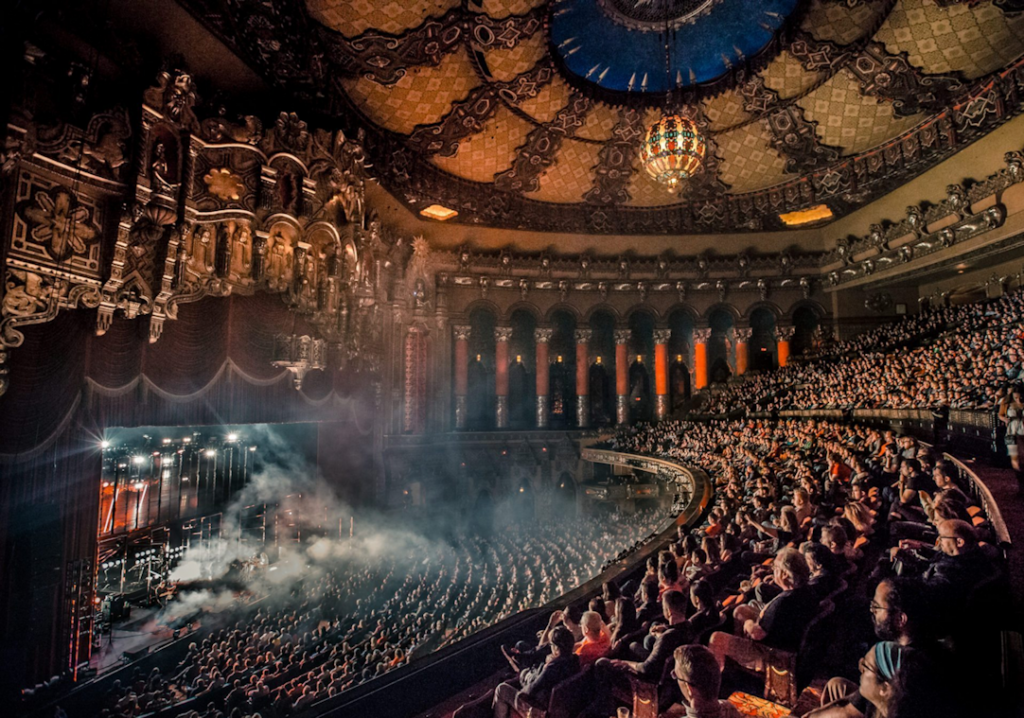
pixel 568 698
pixel 784 671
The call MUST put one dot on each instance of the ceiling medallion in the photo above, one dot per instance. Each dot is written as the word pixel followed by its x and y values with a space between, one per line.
pixel 673 150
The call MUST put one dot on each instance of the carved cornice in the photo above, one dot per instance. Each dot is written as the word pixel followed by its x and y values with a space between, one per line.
pixel 892 78
pixel 882 239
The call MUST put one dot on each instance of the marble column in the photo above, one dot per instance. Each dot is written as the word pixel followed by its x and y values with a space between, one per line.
pixel 502 335
pixel 583 337
pixel 461 374
pixel 700 357
pixel 743 335
pixel 542 337
pixel 661 339
pixel 785 335
pixel 622 376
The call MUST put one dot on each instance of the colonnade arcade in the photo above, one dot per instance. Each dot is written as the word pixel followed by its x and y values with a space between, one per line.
pixel 526 367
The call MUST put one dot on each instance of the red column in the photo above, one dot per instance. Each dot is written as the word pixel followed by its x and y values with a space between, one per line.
pixel 542 337
pixel 785 335
pixel 700 357
pixel 583 337
pixel 501 337
pixel 622 376
pixel 661 338
pixel 461 374
pixel 743 335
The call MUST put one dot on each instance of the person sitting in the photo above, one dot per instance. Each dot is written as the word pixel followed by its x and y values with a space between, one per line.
pixel 666 637
pixel 625 626
pixel 707 615
pixel 779 624
pixel 535 682
pixel 649 609
pixel 878 667
pixel 821 562
pixel 596 641
pixel 699 678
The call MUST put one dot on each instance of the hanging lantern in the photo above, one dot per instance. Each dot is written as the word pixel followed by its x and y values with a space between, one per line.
pixel 673 151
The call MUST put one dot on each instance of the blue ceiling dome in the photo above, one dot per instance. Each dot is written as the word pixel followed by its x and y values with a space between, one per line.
pixel 617 47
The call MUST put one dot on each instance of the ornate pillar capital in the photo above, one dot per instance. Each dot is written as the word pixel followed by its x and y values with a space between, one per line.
pixel 462 332
pixel 622 336
pixel 502 334
pixel 662 336
pixel 743 334
pixel 785 334
pixel 583 336
pixel 701 335
pixel 542 335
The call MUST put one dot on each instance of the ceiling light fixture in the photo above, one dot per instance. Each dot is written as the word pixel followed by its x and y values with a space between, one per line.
pixel 817 213
pixel 436 211
pixel 673 149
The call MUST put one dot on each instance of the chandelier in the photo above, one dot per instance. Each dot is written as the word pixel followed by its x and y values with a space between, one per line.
pixel 299 355
pixel 673 150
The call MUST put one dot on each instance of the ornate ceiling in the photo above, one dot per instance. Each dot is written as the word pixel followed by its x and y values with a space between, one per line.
pixel 472 104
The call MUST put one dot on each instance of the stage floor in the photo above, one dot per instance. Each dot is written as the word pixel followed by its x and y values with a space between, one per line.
pixel 139 632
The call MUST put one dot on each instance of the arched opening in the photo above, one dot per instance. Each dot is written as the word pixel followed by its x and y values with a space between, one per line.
pixel 679 345
pixel 602 369
pixel 522 386
pixel 679 382
pixel 641 353
pixel 480 398
pixel 563 495
pixel 762 348
pixel 720 346
pixel 805 325
pixel 562 372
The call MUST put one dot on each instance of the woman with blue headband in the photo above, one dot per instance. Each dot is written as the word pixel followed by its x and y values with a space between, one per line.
pixel 877 670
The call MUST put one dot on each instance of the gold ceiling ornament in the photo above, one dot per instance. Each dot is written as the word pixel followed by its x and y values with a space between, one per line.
pixel 224 184
pixel 673 150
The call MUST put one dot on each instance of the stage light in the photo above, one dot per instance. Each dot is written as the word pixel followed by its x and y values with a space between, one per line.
pixel 187 440
pixel 138 460
pixel 104 444
pixel 210 453
pixel 232 437
pixel 167 441
pixel 252 448
pixel 521 489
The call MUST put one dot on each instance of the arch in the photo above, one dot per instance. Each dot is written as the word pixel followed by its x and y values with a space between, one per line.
pixel 682 308
pixel 812 304
pixel 524 306
pixel 772 307
pixel 562 307
pixel 641 309
pixel 287 157
pixel 724 307
pixel 602 307
pixel 485 304
pixel 319 226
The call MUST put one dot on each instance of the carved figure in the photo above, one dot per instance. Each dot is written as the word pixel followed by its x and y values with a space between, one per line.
pixel 25 294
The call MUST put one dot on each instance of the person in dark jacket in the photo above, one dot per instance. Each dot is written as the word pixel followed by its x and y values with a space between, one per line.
pixel 536 682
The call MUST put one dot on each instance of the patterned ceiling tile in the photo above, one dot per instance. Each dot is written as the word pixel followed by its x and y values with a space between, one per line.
pixel 571 175
pixel 850 120
pixel 973 40
pixel 551 98
pixel 839 23
pixel 599 123
pixel 483 155
pixel 787 76
pixel 354 17
pixel 423 96
pixel 748 162
pixel 503 8
pixel 725 111
pixel 504 65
